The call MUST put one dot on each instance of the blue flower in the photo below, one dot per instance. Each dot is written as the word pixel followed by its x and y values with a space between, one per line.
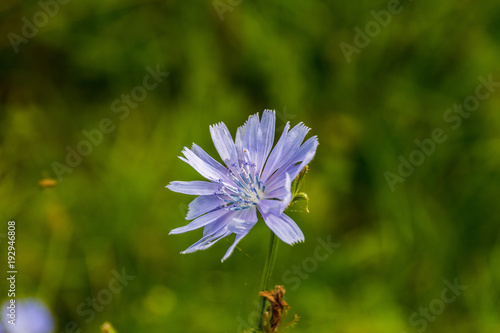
pixel 256 177
pixel 31 315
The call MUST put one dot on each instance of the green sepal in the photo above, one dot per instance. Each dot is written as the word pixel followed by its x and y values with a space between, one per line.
pixel 297 182
pixel 300 200
pixel 300 203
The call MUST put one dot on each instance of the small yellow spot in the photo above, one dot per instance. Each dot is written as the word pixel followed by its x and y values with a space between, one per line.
pixel 107 328
pixel 47 182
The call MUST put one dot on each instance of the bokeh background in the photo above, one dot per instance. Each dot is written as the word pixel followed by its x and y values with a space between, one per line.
pixel 227 60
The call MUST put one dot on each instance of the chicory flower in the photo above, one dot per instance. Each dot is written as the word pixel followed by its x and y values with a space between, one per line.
pixel 256 177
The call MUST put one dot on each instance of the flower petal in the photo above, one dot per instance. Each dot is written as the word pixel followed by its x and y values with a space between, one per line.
pixel 222 171
pixel 305 155
pixel 265 145
pixel 254 140
pixel 241 225
pixel 207 241
pixel 195 187
pixel 230 250
pixel 283 193
pixel 288 193
pixel 285 148
pixel 275 154
pixel 267 207
pixel 238 143
pixel 251 138
pixel 203 204
pixel 202 221
pixel 203 168
pixel 243 221
pixel 224 144
pixel 285 228
pixel 294 165
pixel 287 176
pixel 215 235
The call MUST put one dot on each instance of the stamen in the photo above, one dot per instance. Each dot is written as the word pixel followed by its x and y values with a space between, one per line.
pixel 246 189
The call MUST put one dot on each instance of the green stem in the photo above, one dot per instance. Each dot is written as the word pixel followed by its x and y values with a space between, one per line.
pixel 267 274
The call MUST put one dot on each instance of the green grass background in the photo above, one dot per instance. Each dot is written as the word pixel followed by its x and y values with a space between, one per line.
pixel 113 211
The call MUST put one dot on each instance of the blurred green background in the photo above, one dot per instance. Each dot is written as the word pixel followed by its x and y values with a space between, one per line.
pixel 112 211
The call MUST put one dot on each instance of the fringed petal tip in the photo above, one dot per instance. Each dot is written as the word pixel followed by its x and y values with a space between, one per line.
pixel 217 125
pixel 298 242
pixel 284 228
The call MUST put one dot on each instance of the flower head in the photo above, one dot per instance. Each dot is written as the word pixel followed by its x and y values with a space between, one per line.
pixel 32 315
pixel 257 177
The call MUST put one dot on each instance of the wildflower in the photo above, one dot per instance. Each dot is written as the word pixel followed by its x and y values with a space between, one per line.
pixel 31 315
pixel 256 178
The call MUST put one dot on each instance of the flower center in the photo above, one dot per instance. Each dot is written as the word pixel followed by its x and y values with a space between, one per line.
pixel 247 189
